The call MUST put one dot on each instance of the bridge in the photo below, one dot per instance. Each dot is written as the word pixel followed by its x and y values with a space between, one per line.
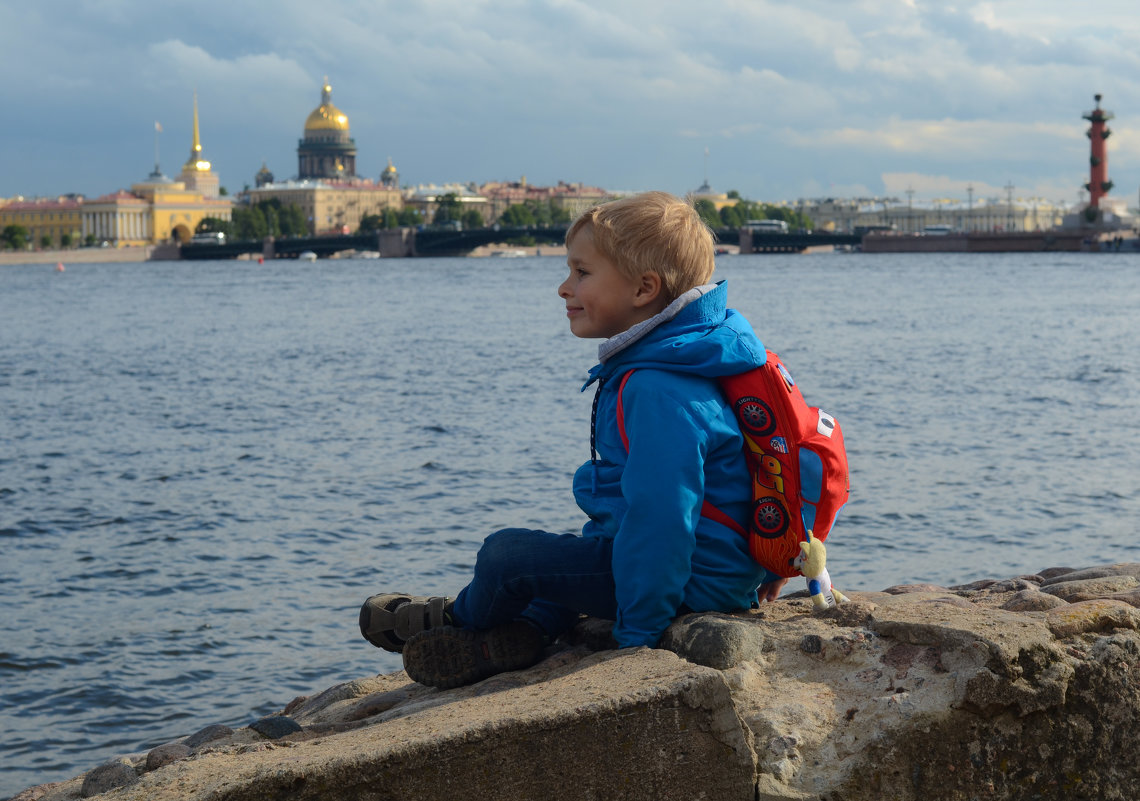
pixel 390 243
pixel 281 248
pixel 447 242
pixel 792 242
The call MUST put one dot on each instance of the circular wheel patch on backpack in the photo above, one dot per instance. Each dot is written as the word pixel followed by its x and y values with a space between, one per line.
pixel 755 416
pixel 769 518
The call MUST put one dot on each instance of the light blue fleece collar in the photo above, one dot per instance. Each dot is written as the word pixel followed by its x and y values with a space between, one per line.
pixel 620 342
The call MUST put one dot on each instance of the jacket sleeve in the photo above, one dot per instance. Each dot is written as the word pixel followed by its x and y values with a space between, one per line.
pixel 667 422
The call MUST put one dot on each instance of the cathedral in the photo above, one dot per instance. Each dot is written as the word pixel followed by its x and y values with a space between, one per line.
pixel 331 196
pixel 326 152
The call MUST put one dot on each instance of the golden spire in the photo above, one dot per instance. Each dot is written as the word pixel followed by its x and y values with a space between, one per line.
pixel 197 146
pixel 196 162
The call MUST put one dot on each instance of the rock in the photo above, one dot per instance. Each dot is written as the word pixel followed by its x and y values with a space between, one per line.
pixel 275 727
pixel 1065 574
pixel 993 690
pixel 300 700
pixel 1130 597
pixel 109 776
pixel 1096 615
pixel 165 754
pixel 1090 588
pixel 903 589
pixel 1032 601
pixel 713 640
pixel 215 731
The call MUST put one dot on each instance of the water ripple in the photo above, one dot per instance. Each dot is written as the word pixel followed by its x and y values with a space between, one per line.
pixel 220 465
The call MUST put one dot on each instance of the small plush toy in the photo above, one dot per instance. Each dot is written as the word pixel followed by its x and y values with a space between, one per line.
pixel 812 563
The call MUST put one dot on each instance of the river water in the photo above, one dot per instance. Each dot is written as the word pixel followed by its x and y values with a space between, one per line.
pixel 205 468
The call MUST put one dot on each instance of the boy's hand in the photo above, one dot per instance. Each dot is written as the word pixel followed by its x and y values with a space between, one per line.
pixel 771 590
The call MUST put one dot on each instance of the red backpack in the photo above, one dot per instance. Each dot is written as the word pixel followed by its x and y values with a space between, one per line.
pixel 796 457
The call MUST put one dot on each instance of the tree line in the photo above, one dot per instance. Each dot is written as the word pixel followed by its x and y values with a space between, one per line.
pixel 272 218
pixel 265 218
pixel 17 237
pixel 449 211
pixel 736 215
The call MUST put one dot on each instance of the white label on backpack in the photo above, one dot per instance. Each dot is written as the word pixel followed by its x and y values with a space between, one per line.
pixel 826 424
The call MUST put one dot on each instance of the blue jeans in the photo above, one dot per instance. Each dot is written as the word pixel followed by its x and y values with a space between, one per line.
pixel 545 578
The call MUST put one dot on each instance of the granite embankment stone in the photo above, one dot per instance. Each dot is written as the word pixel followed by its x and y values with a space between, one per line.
pixel 1023 688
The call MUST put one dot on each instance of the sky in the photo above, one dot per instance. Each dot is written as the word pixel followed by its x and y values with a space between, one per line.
pixel 778 100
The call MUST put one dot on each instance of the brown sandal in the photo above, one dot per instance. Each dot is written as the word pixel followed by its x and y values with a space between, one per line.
pixel 389 619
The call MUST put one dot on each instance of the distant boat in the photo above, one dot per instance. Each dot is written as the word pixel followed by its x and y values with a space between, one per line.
pixel 307 255
pixel 367 254
pixel 508 254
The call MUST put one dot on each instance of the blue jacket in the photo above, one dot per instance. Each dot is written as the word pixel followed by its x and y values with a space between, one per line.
pixel 684 447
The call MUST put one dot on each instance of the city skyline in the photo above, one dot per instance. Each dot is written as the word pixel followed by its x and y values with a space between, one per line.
pixel 776 100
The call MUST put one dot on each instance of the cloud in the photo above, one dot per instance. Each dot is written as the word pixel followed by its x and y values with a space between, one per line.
pixel 946 139
pixel 179 64
pixel 791 96
pixel 898 184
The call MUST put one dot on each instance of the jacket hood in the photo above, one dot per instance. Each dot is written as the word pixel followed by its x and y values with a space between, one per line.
pixel 696 334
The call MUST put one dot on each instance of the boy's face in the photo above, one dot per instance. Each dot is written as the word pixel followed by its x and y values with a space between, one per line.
pixel 600 301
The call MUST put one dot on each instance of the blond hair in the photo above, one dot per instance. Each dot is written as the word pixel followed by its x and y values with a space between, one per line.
pixel 653 232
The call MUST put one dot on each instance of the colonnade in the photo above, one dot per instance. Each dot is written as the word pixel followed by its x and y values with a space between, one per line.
pixel 118 225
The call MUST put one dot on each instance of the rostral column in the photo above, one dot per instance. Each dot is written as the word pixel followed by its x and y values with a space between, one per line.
pixel 1098 132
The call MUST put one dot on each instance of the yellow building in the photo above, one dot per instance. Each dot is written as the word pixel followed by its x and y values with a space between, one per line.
pixel 331 206
pixel 52 218
pixel 706 192
pixel 156 210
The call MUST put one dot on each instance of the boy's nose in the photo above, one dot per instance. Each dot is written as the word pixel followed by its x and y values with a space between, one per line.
pixel 563 290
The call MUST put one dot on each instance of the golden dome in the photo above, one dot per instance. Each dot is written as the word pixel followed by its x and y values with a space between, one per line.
pixel 326 116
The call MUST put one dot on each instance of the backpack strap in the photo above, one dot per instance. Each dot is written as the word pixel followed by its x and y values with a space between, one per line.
pixel 707 509
pixel 621 412
pixel 717 516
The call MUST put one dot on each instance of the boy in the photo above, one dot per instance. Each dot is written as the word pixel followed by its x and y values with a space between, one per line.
pixel 639 272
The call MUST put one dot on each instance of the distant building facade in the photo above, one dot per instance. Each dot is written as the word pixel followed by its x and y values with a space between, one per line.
pixel 574 198
pixel 158 209
pixel 57 219
pixel 426 199
pixel 155 210
pixel 330 206
pixel 983 214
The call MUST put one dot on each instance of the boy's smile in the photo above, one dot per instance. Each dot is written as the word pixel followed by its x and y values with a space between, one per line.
pixel 601 302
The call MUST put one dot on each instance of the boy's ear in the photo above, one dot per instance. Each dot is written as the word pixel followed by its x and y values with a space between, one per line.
pixel 649 289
